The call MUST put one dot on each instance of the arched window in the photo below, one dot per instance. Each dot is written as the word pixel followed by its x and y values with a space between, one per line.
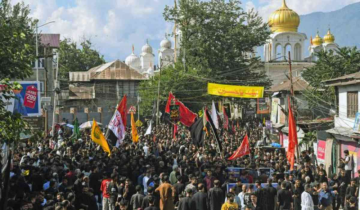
pixel 287 50
pixel 278 52
pixel 297 56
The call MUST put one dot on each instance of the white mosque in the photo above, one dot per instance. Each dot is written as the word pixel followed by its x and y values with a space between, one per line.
pixel 144 63
pixel 284 24
pixel 285 37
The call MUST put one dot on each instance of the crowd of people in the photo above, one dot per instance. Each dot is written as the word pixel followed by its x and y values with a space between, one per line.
pixel 161 172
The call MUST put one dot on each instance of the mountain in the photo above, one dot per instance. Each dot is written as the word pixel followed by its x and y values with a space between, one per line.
pixel 344 24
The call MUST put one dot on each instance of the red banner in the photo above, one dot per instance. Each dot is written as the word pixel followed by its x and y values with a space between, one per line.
pixel 30 96
pixel 321 150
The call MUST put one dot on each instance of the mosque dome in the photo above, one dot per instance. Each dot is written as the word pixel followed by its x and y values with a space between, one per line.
pixel 147 49
pixel 165 44
pixel 132 60
pixel 284 20
pixel 329 38
pixel 317 41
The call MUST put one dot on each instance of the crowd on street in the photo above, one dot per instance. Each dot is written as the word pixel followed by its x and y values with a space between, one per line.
pixel 161 172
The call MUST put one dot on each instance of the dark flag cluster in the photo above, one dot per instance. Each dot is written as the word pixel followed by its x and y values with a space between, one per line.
pixel 198 128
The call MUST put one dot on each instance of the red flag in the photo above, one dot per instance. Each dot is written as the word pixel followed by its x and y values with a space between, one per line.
pixel 243 150
pixel 226 120
pixel 293 142
pixel 233 128
pixel 187 117
pixel 175 131
pixel 171 97
pixel 122 109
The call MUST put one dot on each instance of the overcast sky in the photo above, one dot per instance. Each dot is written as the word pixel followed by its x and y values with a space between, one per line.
pixel 114 25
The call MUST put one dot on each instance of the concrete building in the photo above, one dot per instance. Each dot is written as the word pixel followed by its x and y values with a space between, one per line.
pixel 100 87
pixel 345 134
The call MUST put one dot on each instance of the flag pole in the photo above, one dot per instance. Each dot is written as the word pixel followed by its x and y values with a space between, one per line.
pixel 291 103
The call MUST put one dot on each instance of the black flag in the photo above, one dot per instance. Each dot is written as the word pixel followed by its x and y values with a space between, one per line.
pixel 213 129
pixel 197 132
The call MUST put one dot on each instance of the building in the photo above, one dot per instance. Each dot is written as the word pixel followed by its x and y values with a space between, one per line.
pixel 345 134
pixel 100 87
pixel 48 46
pixel 286 38
pixel 47 64
pixel 144 63
pixel 317 44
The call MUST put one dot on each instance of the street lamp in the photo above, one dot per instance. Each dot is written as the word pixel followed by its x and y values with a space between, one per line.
pixel 37 50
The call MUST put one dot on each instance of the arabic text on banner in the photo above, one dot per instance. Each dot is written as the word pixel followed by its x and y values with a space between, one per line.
pixel 235 91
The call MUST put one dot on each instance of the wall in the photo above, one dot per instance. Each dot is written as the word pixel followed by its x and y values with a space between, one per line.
pixel 341 120
pixel 354 151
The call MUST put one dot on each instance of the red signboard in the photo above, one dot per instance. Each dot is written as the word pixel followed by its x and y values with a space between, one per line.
pixel 321 150
pixel 30 96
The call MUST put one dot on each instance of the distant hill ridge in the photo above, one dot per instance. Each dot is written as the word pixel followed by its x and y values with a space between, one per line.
pixel 344 24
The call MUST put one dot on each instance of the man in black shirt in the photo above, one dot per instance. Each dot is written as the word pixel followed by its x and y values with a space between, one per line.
pixel 284 198
pixel 270 193
pixel 200 198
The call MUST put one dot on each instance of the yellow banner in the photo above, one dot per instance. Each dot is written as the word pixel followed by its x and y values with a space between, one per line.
pixel 134 133
pixel 98 137
pixel 235 91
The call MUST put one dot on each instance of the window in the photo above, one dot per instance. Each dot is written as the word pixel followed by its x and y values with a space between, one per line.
pixel 352 104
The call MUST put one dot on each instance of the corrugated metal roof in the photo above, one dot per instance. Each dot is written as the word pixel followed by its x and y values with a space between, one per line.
pixel 104 66
pixel 298 85
pixel 50 40
pixel 345 77
pixel 352 82
pixel 117 70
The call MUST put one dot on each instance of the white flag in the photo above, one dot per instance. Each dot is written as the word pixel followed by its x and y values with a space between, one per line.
pixel 148 131
pixel 214 115
pixel 117 127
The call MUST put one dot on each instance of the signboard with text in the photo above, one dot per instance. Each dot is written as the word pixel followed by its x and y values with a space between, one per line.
pixel 26 100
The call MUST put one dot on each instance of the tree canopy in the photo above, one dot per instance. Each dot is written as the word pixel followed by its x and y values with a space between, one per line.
pixel 218 39
pixel 17 43
pixel 73 58
pixel 330 64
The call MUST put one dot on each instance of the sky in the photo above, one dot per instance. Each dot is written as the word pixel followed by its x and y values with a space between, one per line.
pixel 114 26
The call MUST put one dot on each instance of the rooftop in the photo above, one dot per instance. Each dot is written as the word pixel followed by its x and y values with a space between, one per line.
pixel 349 79
pixel 299 84
pixel 50 40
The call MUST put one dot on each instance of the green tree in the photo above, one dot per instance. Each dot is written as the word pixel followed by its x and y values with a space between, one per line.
pixel 330 64
pixel 73 58
pixel 17 41
pixel 218 39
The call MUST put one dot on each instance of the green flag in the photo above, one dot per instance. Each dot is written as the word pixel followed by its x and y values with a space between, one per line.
pixel 76 132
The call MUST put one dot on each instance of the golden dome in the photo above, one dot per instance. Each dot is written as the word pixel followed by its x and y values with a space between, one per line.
pixel 284 20
pixel 329 38
pixel 317 41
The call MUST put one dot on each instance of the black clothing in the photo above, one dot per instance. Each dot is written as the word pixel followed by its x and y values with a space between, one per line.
pixel 285 199
pixel 270 194
pixel 351 191
pixel 216 198
pixel 200 199
pixel 297 199
pixel 151 208
pixel 186 204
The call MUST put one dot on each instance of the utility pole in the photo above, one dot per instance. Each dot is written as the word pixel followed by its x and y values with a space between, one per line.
pixel 37 54
pixel 291 104
pixel 158 98
pixel 55 91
